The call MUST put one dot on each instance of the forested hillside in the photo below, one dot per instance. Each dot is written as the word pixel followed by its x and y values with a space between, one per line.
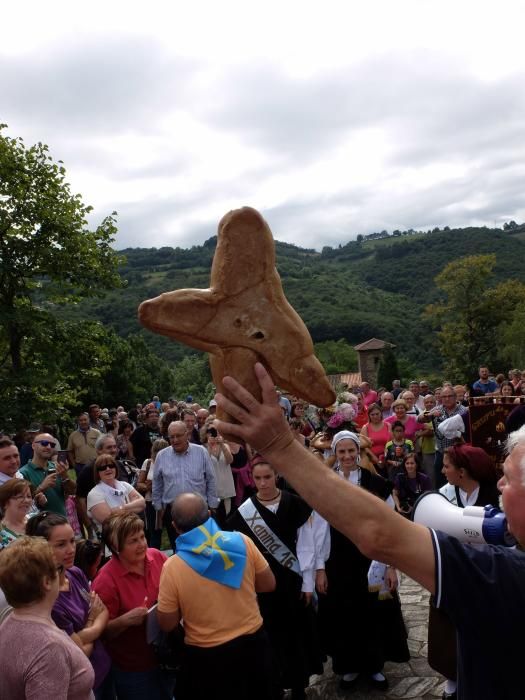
pixel 359 290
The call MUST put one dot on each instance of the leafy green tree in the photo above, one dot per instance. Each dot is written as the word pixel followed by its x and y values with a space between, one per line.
pixel 192 376
pixel 471 316
pixel 48 258
pixel 513 338
pixel 47 253
pixel 336 356
pixel 388 369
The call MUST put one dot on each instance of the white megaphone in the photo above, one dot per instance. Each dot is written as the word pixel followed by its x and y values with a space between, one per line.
pixel 472 525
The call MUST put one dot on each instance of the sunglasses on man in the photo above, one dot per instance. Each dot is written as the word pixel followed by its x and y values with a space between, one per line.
pixel 46 443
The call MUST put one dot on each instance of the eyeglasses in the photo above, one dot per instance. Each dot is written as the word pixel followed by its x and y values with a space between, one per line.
pixel 22 497
pixel 46 443
pixel 448 396
pixel 103 467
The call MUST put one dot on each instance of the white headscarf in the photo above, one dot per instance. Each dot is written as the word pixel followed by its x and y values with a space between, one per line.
pixel 345 435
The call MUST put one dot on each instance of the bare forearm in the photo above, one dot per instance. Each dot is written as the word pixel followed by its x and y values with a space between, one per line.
pixel 95 629
pixel 115 627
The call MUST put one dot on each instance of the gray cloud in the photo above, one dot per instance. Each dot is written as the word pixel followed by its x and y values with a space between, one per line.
pixel 96 87
pixel 430 111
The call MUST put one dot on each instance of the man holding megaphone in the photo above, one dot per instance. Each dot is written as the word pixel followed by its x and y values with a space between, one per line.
pixel 464 580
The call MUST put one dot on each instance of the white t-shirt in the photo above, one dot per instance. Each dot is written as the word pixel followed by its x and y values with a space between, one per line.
pixel 114 496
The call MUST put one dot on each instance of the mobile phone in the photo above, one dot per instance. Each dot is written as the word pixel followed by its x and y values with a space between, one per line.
pixel 62 456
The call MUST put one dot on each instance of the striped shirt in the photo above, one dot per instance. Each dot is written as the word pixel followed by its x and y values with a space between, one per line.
pixel 186 472
pixel 442 442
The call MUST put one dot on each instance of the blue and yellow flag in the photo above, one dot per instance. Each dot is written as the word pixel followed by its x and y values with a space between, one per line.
pixel 214 554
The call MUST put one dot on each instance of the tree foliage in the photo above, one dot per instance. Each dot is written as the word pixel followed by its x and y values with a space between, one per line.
pixel 388 369
pixel 47 253
pixel 336 356
pixel 470 318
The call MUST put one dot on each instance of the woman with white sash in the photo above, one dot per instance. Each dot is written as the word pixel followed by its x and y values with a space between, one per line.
pixel 360 614
pixel 272 519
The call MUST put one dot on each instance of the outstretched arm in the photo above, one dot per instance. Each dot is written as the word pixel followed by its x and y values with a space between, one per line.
pixel 379 532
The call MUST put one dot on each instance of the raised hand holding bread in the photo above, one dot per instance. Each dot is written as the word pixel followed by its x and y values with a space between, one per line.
pixel 244 317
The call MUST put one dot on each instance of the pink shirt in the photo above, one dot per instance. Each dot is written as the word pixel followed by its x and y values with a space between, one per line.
pixel 378 438
pixel 370 397
pixel 411 425
pixel 40 661
pixel 121 591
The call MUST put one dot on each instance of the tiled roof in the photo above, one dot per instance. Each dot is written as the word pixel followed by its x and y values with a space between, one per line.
pixel 373 344
pixel 350 379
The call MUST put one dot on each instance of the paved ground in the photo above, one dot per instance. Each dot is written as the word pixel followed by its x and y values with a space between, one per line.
pixel 414 679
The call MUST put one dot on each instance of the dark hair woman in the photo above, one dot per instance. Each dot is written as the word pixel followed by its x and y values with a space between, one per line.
pixel 76 610
pixel 409 484
pixel 288 621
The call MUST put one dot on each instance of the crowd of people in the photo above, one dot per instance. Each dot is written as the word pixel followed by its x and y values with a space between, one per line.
pixel 261 589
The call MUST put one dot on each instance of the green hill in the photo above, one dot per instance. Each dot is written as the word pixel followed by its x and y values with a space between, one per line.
pixel 356 291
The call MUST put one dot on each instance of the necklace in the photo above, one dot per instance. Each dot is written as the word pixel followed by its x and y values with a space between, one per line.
pixel 272 498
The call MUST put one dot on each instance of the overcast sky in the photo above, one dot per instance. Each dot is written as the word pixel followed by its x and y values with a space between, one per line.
pixel 331 118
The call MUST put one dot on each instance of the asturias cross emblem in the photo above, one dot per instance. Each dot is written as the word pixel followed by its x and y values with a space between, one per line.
pixel 211 541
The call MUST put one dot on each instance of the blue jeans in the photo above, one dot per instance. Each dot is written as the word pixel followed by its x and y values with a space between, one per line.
pixel 138 685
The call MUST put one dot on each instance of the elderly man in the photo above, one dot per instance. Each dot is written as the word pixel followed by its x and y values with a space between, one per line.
pixel 183 467
pixel 480 588
pixel 48 477
pixel 387 399
pixel 449 407
pixel 202 414
pixel 410 399
pixel 213 578
pixel 418 397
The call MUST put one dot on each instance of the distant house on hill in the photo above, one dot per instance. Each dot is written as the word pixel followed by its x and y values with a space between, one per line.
pixel 369 356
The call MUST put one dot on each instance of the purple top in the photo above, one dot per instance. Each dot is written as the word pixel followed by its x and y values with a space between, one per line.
pixel 70 613
pixel 410 489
